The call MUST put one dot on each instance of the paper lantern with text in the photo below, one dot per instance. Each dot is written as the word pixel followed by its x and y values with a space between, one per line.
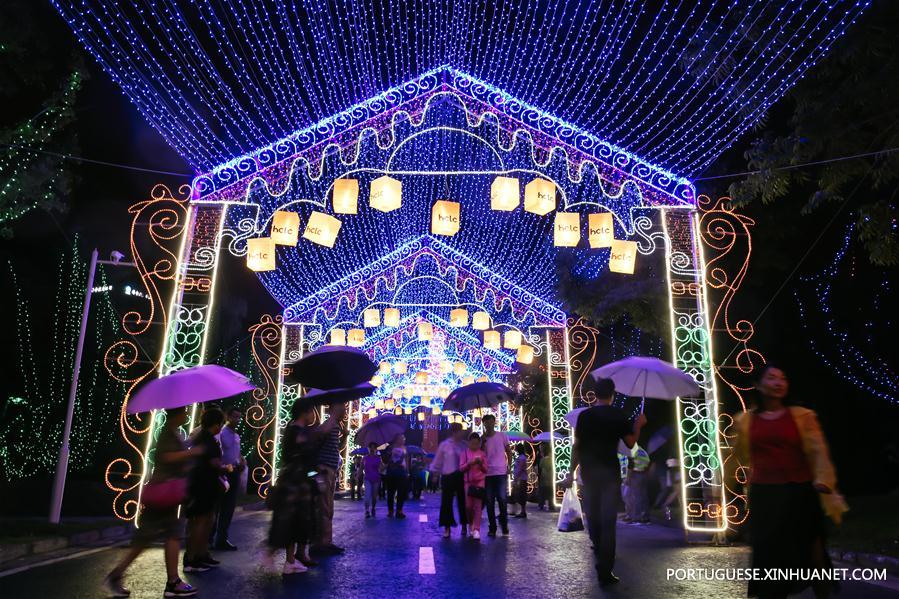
pixel 407 410
pixel 386 194
pixel 355 337
pixel 512 339
pixel 459 317
pixel 389 404
pixel 384 368
pixel 421 377
pixel 567 229
pixel 600 230
pixel 425 331
pixel 400 367
pixel 480 321
pixel 338 337
pixel 504 194
pixel 459 368
pixel 345 199
pixel 491 339
pixel 398 411
pixel 371 318
pixel 623 256
pixel 540 196
pixel 261 254
pixel 322 229
pixel 285 227
pixel 391 317
pixel 445 217
pixel 525 354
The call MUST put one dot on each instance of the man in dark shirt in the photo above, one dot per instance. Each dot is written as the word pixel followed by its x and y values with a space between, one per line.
pixel 596 451
pixel 328 465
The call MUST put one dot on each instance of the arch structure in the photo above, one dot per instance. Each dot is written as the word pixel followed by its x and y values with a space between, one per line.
pixel 445 136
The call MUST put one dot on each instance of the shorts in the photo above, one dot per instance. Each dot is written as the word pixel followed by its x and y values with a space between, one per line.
pixel 155 524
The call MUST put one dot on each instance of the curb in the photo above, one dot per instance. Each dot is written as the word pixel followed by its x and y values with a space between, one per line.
pixel 89 537
pixel 867 560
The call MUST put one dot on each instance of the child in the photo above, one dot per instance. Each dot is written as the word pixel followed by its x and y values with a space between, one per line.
pixel 473 464
pixel 372 466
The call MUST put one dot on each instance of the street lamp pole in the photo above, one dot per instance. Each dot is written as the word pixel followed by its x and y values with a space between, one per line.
pixel 62 465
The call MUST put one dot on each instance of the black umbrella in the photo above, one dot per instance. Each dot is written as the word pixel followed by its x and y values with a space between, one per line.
pixel 478 395
pixel 333 367
pixel 322 397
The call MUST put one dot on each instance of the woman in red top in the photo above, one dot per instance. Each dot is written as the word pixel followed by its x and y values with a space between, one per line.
pixel 789 467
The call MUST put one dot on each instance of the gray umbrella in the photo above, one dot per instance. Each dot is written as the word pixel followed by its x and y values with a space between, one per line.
pixel 380 429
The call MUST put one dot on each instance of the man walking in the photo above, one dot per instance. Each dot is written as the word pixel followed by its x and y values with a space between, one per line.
pixel 595 449
pixel 328 465
pixel 452 482
pixel 499 456
pixel 231 456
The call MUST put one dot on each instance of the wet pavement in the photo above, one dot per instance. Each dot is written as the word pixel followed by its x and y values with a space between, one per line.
pixel 384 558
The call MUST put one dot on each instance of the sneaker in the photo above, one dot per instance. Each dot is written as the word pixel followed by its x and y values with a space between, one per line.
pixel 179 588
pixel 196 567
pixel 226 546
pixel 112 585
pixel 491 532
pixel 446 532
pixel 476 534
pixel 294 568
pixel 505 531
pixel 210 561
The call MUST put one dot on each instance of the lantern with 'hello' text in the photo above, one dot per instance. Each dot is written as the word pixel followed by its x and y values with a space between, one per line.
pixel 459 317
pixel 285 227
pixel 391 317
pixel 600 230
pixel 345 199
pixel 386 194
pixel 623 256
pixel 261 254
pixel 371 317
pixel 338 337
pixel 491 339
pixel 504 194
pixel 355 337
pixel 540 196
pixel 567 229
pixel 322 229
pixel 512 339
pixel 445 218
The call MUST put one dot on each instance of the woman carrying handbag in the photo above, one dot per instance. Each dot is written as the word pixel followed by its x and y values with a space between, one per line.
pixel 473 464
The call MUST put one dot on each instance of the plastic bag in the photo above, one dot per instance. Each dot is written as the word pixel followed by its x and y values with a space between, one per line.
pixel 571 517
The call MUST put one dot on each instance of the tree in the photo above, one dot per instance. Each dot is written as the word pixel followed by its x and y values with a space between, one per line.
pixel 38 95
pixel 845 107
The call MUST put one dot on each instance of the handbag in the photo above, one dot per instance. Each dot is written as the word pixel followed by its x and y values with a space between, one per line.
pixel 477 492
pixel 164 494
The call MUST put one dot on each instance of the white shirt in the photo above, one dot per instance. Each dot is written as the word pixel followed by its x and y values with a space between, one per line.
pixel 230 442
pixel 449 452
pixel 495 448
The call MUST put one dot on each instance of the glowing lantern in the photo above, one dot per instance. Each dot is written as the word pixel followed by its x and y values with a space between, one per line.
pixel 376 380
pixel 421 378
pixel 391 317
pixel 459 368
pixel 390 403
pixel 443 391
pixel 480 321
pixel 446 366
pixel 355 337
pixel 384 367
pixel 447 413
pixel 421 416
pixel 400 367
pixel 371 318
pixel 512 339
pixel 623 256
pixel 504 194
pixel 386 194
pixel 338 337
pixel 476 412
pixel 459 317
pixel 398 411
pixel 372 413
pixel 261 254
pixel 525 354
pixel 346 196
pixel 483 379
pixel 379 404
pixel 540 196
pixel 425 401
pixel 445 217
pixel 322 229
pixel 397 394
pixel 567 229
pixel 600 229
pixel 407 410
pixel 491 339
pixel 408 392
pixel 467 380
pixel 464 426
pixel 435 410
pixel 285 227
pixel 425 331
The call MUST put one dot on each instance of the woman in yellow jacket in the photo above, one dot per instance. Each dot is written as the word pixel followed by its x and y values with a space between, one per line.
pixel 792 484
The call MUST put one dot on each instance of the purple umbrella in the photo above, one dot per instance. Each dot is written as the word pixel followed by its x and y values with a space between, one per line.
pixel 380 429
pixel 333 367
pixel 477 395
pixel 189 386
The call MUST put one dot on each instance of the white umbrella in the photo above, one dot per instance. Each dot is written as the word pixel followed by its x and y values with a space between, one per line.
pixel 644 377
pixel 517 436
pixel 189 386
pixel 572 417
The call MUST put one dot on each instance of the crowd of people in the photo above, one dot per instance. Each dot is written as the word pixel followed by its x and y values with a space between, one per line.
pixel 793 485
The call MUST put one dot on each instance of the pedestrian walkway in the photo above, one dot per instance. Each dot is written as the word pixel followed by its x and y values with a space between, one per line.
pixel 405 559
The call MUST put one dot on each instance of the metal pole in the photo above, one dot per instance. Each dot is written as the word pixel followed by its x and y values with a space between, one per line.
pixel 62 466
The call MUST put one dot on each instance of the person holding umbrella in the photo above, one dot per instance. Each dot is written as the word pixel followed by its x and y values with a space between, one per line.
pixel 446 465
pixel 397 477
pixel 159 516
pixel 595 450
pixel 499 456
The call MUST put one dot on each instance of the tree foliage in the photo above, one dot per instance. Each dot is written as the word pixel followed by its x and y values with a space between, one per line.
pixel 848 105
